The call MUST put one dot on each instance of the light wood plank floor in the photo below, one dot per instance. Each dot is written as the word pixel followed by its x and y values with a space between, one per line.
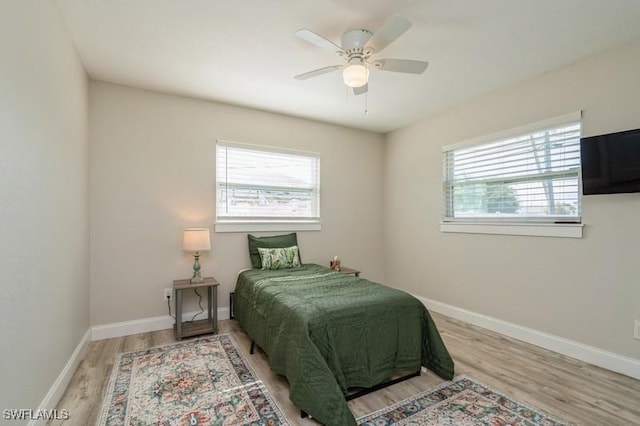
pixel 565 387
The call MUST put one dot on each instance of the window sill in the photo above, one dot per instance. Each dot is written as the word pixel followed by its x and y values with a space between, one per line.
pixel 563 230
pixel 260 226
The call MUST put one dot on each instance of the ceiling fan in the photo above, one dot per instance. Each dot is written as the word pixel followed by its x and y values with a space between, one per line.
pixel 357 47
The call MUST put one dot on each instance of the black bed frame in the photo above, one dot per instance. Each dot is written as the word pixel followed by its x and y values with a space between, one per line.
pixel 363 391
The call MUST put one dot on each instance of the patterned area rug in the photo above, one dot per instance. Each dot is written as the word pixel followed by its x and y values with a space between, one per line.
pixel 462 402
pixel 195 382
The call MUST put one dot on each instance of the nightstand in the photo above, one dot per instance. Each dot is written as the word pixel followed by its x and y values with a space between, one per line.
pixel 204 326
pixel 348 271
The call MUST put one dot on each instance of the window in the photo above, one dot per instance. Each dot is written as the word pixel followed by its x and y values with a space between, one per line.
pixel 259 185
pixel 529 175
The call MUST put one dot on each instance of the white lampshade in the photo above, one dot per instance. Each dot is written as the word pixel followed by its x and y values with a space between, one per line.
pixel 355 75
pixel 196 239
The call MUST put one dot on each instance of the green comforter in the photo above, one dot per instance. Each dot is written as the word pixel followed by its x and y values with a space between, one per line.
pixel 327 331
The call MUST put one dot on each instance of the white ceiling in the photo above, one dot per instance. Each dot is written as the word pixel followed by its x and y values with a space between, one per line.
pixel 244 52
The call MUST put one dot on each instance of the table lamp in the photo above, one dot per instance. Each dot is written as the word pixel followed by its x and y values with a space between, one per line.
pixel 196 240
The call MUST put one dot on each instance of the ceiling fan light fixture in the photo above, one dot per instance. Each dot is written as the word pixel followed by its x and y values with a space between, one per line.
pixel 355 75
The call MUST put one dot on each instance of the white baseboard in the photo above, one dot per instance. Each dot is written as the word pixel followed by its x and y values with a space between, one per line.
pixel 62 381
pixel 144 325
pixel 592 355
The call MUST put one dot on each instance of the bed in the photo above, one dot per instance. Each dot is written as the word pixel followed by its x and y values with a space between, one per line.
pixel 329 332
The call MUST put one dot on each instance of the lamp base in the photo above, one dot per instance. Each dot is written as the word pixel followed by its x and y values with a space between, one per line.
pixel 197 278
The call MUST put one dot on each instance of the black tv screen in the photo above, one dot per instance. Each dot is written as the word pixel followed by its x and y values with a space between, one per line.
pixel 611 163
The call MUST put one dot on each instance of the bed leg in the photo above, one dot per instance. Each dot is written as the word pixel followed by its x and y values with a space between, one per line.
pixel 252 346
pixel 303 414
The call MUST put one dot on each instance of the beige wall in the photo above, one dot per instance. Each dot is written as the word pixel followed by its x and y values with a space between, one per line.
pixel 152 174
pixel 44 262
pixel 585 290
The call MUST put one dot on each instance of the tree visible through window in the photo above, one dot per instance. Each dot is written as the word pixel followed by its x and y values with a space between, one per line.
pixel 532 176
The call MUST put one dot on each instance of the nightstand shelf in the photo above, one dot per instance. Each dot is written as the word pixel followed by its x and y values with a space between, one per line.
pixel 195 328
pixel 205 326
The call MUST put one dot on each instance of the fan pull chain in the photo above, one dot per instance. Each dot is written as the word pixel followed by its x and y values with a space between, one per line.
pixel 366 103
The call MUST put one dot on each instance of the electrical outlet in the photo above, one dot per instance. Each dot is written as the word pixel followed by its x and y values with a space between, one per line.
pixel 168 294
pixel 636 329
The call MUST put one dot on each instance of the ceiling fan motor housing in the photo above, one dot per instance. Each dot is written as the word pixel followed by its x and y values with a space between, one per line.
pixel 353 42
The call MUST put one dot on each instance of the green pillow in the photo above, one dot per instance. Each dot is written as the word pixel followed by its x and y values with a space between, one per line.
pixel 276 241
pixel 279 258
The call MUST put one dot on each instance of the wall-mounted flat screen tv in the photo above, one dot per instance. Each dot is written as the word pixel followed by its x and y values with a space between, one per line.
pixel 611 163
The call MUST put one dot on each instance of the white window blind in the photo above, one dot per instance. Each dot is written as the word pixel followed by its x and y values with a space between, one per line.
pixel 533 176
pixel 264 184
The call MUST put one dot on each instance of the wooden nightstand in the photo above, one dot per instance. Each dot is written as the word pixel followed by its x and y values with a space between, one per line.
pixel 348 271
pixel 204 326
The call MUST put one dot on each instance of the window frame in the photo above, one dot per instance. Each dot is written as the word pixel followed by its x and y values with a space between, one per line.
pixel 266 224
pixel 512 225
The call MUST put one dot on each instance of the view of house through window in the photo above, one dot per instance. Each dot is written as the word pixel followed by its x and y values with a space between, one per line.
pixel 528 177
pixel 265 184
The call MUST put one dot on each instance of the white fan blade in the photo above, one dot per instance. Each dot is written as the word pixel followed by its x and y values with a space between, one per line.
pixel 401 65
pixel 319 41
pixel 361 90
pixel 317 72
pixel 391 30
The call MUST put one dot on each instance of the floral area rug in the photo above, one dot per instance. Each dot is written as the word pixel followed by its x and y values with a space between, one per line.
pixel 194 382
pixel 462 402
